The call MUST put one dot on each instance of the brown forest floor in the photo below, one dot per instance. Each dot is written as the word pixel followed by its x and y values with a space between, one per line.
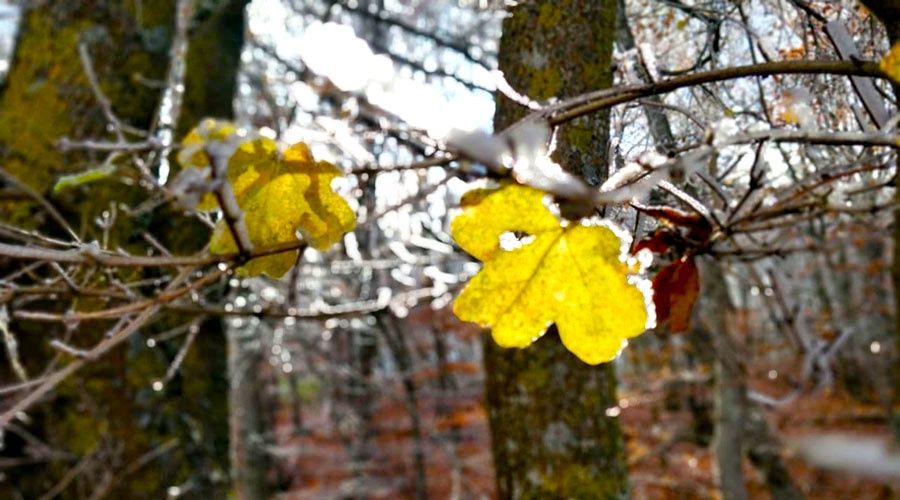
pixel 665 422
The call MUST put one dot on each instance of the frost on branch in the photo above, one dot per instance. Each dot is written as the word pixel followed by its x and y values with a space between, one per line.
pixel 525 149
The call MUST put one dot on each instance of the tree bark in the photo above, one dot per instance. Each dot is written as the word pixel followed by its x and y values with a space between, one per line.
pixel 403 356
pixel 551 437
pixel 110 406
pixel 764 451
pixel 731 387
pixel 248 458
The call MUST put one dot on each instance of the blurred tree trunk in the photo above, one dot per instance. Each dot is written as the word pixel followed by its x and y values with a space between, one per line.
pixel 730 386
pixel 249 463
pixel 551 437
pixel 361 389
pixel 109 409
pixel 888 11
pixel 740 426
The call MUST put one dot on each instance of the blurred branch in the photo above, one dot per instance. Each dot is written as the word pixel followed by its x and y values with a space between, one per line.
pixel 575 107
pixel 87 254
pixel 46 205
pixel 160 299
pixel 320 311
pixel 105 104
pixel 437 72
pixel 231 211
pixel 818 137
pixel 12 345
pixel 111 340
pixel 440 41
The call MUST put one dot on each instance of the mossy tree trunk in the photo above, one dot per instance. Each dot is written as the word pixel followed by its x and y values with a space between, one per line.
pixel 551 436
pixel 109 410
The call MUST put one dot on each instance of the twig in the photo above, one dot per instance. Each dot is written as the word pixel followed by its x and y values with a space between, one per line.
pixel 49 208
pixel 104 101
pixel 755 182
pixel 692 203
pixel 116 312
pixel 20 387
pixel 12 346
pixel 319 312
pixel 140 462
pixel 116 338
pixel 193 330
pixel 231 211
pixel 818 137
pixel 92 255
pixel 578 106
pixel 420 195
pixel 439 161
pixel 459 47
pixel 70 475
pixel 66 144
pixel 68 349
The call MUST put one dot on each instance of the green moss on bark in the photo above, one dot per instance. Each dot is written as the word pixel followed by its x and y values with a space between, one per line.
pixel 560 49
pixel 110 407
pixel 551 437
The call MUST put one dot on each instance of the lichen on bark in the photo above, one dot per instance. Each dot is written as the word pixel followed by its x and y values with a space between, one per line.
pixel 551 437
pixel 110 407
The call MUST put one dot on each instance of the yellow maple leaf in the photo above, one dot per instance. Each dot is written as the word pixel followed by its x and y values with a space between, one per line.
pixel 251 163
pixel 209 129
pixel 569 274
pixel 280 196
pixel 890 63
pixel 789 116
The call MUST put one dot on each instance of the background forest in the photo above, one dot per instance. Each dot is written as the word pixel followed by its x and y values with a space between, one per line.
pixel 229 266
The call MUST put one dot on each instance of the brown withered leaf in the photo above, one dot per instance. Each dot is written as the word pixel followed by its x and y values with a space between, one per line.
pixel 675 289
pixel 659 241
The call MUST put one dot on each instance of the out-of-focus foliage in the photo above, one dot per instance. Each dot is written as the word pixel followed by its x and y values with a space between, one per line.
pixel 82 178
pixel 192 154
pixel 890 63
pixel 279 194
pixel 568 273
